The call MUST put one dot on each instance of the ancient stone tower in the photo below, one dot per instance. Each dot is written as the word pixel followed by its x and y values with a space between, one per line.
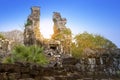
pixel 61 32
pixel 32 33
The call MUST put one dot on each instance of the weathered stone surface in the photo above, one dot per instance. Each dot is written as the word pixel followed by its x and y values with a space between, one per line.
pixel 32 35
pixel 5 47
pixel 62 33
pixel 71 69
pixel 70 60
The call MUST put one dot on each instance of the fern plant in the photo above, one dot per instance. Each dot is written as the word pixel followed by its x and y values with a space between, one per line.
pixel 32 54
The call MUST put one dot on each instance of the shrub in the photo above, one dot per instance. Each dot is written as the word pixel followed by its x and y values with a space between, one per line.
pixel 32 54
pixel 1 36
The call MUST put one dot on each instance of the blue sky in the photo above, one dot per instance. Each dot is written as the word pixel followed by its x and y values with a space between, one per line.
pixel 94 16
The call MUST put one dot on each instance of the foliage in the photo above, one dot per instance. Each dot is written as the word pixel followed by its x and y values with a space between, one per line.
pixel 62 34
pixel 67 31
pixel 76 52
pixel 86 40
pixel 29 22
pixel 1 36
pixel 32 54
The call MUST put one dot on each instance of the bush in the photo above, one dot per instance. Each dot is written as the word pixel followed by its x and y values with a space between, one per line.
pixel 92 41
pixel 1 36
pixel 32 54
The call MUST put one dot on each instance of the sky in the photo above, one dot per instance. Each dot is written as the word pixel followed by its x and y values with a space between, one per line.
pixel 94 16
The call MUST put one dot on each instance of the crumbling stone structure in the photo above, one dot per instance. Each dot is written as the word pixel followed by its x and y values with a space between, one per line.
pixel 55 47
pixel 61 32
pixel 32 35
pixel 62 35
pixel 5 48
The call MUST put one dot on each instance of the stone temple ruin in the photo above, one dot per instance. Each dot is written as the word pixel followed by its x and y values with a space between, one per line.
pixel 59 42
pixel 58 46
pixel 98 64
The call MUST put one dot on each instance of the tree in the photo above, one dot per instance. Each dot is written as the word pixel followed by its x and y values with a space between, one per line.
pixel 86 40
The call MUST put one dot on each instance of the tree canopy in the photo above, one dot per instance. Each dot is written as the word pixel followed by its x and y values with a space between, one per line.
pixel 92 41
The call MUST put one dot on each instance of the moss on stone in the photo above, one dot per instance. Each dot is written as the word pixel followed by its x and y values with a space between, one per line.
pixel 29 22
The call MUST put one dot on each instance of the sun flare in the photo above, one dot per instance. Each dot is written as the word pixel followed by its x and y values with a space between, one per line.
pixel 46 28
